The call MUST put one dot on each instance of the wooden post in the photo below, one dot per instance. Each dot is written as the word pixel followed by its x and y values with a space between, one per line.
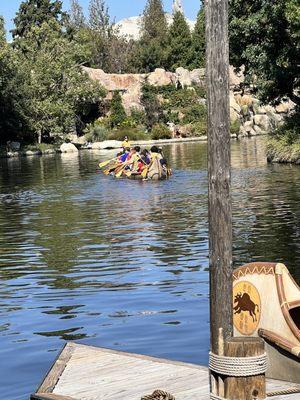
pixel 220 225
pixel 220 213
pixel 246 388
pixel 219 179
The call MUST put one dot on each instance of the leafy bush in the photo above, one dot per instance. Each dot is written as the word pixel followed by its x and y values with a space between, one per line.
pixel 131 133
pixel 138 116
pixel 96 132
pixel 290 130
pixel 117 111
pixel 195 114
pixel 160 131
pixel 199 128
pixel 235 127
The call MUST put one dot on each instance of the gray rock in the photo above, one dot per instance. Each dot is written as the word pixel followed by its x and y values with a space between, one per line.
pixel 30 153
pixel 106 144
pixel 11 154
pixel 68 148
pixel 262 121
pixel 248 126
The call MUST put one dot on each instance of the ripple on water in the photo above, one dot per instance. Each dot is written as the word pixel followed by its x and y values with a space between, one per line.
pixel 123 264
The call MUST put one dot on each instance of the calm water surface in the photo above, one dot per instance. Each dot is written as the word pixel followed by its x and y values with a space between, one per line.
pixel 123 264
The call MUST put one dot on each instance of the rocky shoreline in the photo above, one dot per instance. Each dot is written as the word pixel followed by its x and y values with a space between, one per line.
pixel 107 145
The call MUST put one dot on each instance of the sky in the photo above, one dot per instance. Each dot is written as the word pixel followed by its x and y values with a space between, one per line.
pixel 119 9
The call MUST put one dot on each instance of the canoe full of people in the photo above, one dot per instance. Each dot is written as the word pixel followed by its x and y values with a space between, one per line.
pixel 134 163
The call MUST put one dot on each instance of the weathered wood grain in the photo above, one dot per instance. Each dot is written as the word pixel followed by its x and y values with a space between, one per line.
pixel 57 369
pixel 219 175
pixel 93 373
pixel 245 388
pixel 49 396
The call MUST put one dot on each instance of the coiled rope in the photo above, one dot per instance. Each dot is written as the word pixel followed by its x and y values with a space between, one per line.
pixel 238 366
pixel 159 395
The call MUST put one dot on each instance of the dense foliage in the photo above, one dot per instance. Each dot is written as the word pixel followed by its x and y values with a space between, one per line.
pixel 150 51
pixel 265 38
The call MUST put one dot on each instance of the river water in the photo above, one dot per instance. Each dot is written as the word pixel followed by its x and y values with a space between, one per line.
pixel 123 264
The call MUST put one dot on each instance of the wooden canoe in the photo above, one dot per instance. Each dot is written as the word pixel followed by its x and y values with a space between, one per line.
pixel 266 301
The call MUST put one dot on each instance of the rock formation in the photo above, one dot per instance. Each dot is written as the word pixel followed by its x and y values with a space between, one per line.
pixel 245 109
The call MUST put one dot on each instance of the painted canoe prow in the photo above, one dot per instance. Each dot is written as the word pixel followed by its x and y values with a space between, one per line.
pixel 266 301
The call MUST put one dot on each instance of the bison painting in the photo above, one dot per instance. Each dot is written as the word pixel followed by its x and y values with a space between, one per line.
pixel 243 302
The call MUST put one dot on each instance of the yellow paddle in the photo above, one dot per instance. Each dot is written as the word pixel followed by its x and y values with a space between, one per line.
pixel 120 171
pixel 144 173
pixel 104 163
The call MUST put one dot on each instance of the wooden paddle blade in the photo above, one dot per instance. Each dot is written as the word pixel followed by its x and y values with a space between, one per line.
pixel 104 163
pixel 144 172
pixel 119 173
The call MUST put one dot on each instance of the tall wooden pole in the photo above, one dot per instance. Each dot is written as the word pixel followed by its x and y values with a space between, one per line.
pixel 220 215
pixel 219 177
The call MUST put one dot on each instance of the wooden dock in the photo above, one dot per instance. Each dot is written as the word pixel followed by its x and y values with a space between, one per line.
pixel 90 373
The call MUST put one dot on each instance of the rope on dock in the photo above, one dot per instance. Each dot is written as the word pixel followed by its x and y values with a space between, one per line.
pixel 159 395
pixel 238 366
pixel 284 392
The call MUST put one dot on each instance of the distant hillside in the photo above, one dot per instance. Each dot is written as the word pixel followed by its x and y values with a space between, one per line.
pixel 131 26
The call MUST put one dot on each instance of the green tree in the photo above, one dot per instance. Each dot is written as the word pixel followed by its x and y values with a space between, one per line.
pixel 109 51
pixel 265 38
pixel 180 43
pixel 11 91
pixel 117 111
pixel 151 50
pixel 32 14
pixel 153 109
pixel 76 16
pixel 58 92
pixel 198 40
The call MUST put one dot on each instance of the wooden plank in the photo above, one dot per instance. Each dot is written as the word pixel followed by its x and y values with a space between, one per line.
pixel 92 373
pixel 51 379
pixel 49 396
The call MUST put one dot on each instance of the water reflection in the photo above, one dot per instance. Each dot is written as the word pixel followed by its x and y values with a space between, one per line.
pixel 123 263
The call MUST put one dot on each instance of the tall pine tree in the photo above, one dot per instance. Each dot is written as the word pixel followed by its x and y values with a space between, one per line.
pixel 180 42
pixel 32 14
pixel 151 51
pixel 198 41
pixel 77 18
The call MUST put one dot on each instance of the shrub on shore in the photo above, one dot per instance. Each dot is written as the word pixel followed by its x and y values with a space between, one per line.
pixel 284 144
pixel 160 131
pixel 131 133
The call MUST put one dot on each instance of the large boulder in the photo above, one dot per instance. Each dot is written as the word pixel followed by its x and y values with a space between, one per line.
pixel 106 144
pixel 262 121
pixel 283 108
pixel 68 148
pixel 183 76
pixel 160 77
pixel 198 76
pixel 235 108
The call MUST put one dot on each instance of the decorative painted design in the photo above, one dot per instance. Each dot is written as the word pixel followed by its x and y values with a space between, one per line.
pixel 246 307
pixel 251 270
